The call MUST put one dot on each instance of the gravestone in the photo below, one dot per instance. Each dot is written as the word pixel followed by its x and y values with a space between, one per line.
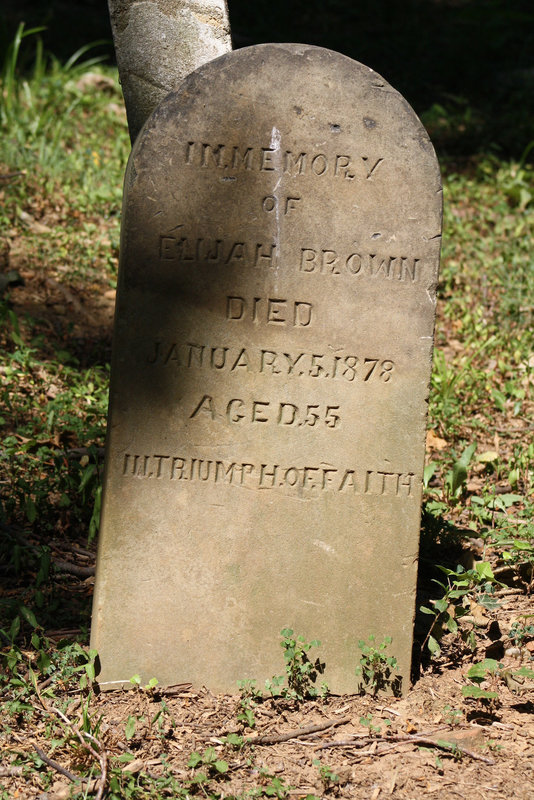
pixel 272 356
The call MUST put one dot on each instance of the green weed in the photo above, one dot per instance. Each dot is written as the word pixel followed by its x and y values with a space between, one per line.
pixel 249 696
pixel 522 630
pixel 329 778
pixel 301 672
pixel 377 668
pixel 461 584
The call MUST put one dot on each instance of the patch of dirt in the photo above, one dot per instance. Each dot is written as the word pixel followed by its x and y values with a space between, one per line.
pixel 416 754
pixel 433 742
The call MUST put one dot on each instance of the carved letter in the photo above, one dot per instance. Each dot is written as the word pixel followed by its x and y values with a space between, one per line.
pixel 354 263
pixel 266 159
pixel 235 307
pixel 156 354
pixel 232 414
pixel 206 405
pixel 319 164
pixel 307 260
pixel 239 160
pixel 299 162
pixel 303 315
pixel 275 310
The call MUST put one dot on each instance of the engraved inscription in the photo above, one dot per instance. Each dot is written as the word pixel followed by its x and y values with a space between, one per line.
pixel 270 310
pixel 284 414
pixel 235 158
pixel 300 364
pixel 330 262
pixel 217 251
pixel 305 479
pixel 308 260
pixel 271 203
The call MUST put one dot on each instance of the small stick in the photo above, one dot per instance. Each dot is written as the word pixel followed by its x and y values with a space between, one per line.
pixel 73 569
pixel 100 756
pixel 441 744
pixel 8 176
pixel 296 734
pixel 54 764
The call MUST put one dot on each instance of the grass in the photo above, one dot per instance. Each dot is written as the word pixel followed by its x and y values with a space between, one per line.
pixel 63 148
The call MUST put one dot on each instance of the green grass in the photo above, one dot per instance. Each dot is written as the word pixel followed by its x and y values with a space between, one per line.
pixel 63 149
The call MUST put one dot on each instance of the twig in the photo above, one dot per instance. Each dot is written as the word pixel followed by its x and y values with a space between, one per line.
pixel 60 564
pixel 515 430
pixel 175 689
pixel 389 710
pixel 441 744
pixel 54 764
pixel 399 740
pixel 275 738
pixel 73 569
pixel 100 756
pixel 8 176
pixel 356 743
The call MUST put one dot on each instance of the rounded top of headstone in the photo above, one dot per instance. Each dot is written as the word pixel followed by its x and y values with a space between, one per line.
pixel 289 121
pixel 302 85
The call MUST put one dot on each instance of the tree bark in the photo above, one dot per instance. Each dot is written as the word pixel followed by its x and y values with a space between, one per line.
pixel 158 43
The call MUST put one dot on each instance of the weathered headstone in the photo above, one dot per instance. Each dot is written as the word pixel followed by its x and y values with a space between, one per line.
pixel 272 354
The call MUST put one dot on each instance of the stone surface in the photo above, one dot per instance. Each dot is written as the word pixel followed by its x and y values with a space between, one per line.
pixel 274 331
pixel 159 42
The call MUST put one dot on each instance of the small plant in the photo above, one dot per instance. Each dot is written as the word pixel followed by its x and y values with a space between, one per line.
pixel 376 668
pixel 249 696
pixel 275 686
pixel 234 740
pixel 489 672
pixel 367 722
pixel 488 676
pixel 214 766
pixel 274 787
pixel 477 583
pixel 456 478
pixel 301 672
pixel 452 716
pixel 522 630
pixel 329 778
pixel 149 688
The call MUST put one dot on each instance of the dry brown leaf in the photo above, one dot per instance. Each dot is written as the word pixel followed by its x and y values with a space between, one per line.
pixel 134 766
pixel 433 442
pixel 477 612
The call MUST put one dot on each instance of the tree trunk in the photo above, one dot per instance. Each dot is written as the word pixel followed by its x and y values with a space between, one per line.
pixel 158 43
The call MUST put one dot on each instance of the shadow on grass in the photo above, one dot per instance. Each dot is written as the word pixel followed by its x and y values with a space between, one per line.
pixel 442 543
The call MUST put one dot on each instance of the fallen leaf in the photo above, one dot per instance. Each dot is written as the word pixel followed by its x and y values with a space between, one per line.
pixel 33 224
pixel 134 766
pixel 477 612
pixel 488 457
pixel 433 442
